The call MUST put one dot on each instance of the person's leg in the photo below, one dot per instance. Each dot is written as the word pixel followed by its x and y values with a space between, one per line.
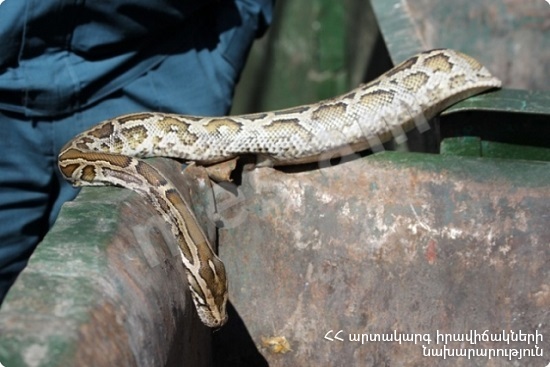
pixel 200 77
pixel 24 193
pixel 64 129
pixel 32 190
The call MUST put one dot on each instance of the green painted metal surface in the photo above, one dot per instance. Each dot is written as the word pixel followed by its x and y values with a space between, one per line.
pixel 512 38
pixel 107 286
pixel 415 243
pixel 308 63
pixel 63 297
pixel 306 58
pixel 314 50
pixel 475 147
pixel 507 100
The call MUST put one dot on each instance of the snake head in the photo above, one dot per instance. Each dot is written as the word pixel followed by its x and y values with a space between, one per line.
pixel 209 292
pixel 211 316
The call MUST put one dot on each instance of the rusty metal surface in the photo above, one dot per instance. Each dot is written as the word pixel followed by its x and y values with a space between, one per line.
pixel 394 244
pixel 391 244
pixel 510 37
pixel 107 288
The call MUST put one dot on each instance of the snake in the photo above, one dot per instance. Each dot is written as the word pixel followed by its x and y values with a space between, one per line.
pixel 113 151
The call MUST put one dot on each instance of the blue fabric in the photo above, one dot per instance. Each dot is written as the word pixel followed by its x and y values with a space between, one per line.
pixel 67 65
pixel 59 56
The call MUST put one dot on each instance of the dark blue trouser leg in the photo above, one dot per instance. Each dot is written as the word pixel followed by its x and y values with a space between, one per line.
pixel 31 188
pixel 199 81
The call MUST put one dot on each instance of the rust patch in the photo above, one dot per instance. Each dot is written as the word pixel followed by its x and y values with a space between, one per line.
pixel 415 81
pixel 220 172
pixel 431 252
pixel 377 97
pixel 329 111
pixel 104 339
pixel 438 62
pixel 214 125
pixel 403 66
pixel 542 297
pixel 276 344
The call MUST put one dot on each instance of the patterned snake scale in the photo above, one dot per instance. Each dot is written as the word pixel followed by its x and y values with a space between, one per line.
pixel 108 154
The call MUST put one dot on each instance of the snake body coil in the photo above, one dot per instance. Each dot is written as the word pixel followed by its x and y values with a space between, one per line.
pixel 109 153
